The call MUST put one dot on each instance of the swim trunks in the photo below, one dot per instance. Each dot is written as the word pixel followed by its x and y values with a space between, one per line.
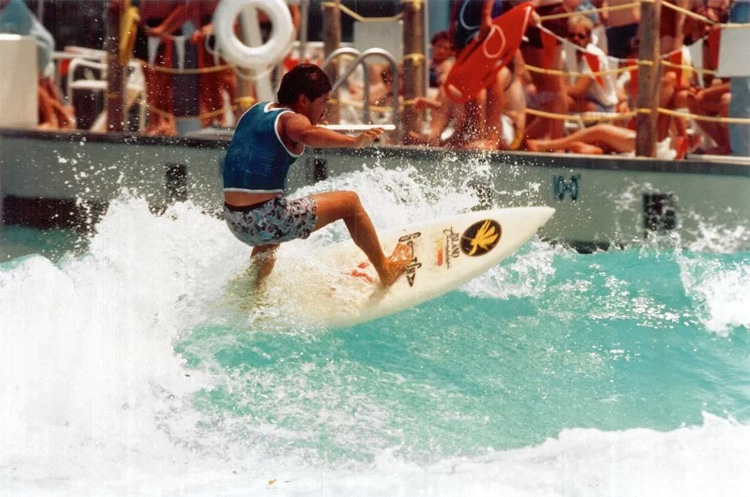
pixel 277 220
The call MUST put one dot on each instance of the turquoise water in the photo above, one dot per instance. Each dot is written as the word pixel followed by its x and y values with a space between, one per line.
pixel 556 373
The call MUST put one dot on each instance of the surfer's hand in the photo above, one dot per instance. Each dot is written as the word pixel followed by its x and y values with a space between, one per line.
pixel 367 137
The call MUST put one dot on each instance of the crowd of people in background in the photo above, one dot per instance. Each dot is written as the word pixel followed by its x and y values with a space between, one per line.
pixel 563 95
pixel 578 112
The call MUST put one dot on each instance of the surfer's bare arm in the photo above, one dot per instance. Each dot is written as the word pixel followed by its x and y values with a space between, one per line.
pixel 299 129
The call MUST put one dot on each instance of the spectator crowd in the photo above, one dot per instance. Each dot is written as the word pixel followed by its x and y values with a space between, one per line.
pixel 576 88
pixel 571 86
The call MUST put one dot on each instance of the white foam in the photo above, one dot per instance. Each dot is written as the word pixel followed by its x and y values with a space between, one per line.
pixel 524 275
pixel 86 349
pixel 707 460
pixel 96 402
pixel 721 292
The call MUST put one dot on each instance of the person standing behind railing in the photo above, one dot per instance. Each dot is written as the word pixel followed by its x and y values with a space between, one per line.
pixel 622 27
pixel 739 106
pixel 472 19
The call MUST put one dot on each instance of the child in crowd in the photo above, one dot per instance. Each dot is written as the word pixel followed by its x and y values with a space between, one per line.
pixel 442 58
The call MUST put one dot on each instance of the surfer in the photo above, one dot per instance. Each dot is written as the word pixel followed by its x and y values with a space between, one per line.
pixel 267 140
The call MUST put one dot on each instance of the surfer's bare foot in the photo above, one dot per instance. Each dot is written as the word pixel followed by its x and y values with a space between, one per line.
pixel 532 145
pixel 396 264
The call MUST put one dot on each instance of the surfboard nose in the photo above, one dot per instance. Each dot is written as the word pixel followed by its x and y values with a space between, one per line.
pixel 537 215
pixel 545 213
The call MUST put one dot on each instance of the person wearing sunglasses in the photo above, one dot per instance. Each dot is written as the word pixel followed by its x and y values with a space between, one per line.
pixel 587 92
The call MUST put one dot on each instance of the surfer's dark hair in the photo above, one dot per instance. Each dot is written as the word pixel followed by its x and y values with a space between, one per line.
pixel 304 79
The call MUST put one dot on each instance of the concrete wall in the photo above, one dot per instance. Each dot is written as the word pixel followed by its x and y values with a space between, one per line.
pixel 600 201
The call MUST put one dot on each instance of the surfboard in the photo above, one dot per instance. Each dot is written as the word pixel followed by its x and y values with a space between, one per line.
pixel 481 60
pixel 336 286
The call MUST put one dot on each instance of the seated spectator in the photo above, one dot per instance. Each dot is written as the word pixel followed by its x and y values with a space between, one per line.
pixel 709 96
pixel 442 58
pixel 383 94
pixel 172 15
pixel 468 125
pixel 598 33
pixel 588 92
pixel 595 140
pixel 673 94
pixel 463 122
pixel 599 139
pixel 713 101
pixel 547 91
pixel 599 19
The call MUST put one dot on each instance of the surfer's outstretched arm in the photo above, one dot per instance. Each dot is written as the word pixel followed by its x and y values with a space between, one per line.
pixel 345 205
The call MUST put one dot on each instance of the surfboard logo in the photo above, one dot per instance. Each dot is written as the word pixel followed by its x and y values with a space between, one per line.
pixel 481 237
pixel 414 264
pixel 447 247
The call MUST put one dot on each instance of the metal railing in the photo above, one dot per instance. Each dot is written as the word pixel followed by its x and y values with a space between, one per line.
pixel 360 58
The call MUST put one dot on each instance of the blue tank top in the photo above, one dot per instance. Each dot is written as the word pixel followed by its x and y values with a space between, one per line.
pixel 257 161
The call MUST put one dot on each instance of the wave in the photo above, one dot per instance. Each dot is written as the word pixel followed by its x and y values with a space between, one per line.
pixel 98 397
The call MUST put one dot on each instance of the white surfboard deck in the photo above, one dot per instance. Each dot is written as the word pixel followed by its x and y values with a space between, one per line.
pixel 330 286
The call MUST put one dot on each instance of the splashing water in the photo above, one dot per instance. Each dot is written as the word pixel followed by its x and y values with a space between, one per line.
pixel 125 369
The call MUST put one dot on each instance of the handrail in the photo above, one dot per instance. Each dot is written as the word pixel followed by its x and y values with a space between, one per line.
pixel 360 59
pixel 366 80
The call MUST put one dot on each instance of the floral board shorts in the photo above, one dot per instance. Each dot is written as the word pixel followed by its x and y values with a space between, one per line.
pixel 278 220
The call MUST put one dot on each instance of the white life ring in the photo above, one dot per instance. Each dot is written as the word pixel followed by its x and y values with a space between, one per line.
pixel 237 52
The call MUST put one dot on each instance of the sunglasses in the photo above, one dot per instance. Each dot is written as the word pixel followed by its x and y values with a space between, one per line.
pixel 577 36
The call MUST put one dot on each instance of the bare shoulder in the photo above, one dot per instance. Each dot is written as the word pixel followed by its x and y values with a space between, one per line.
pixel 292 126
pixel 294 120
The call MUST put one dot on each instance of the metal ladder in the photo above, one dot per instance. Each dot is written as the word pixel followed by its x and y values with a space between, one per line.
pixel 360 58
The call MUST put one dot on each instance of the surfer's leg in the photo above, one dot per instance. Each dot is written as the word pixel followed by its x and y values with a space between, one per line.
pixel 263 258
pixel 332 206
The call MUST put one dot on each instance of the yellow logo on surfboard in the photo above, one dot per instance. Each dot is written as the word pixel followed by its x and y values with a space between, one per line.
pixel 480 237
